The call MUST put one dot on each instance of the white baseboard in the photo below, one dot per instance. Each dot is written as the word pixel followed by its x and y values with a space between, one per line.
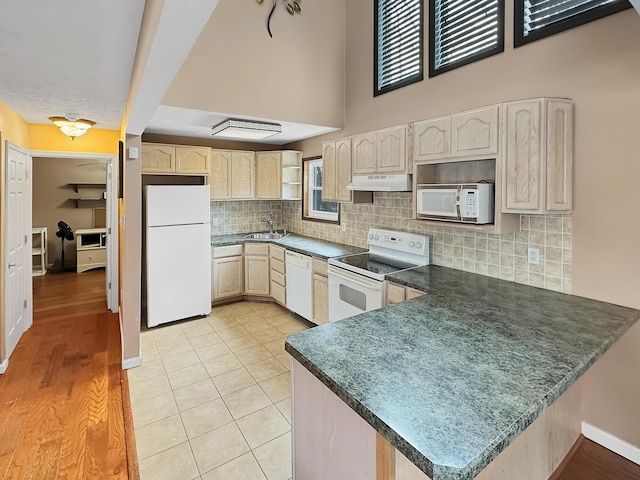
pixel 611 442
pixel 131 363
pixel 4 365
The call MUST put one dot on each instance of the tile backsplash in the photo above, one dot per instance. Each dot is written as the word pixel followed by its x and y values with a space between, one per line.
pixel 501 256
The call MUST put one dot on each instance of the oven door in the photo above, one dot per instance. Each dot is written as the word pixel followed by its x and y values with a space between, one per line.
pixel 351 294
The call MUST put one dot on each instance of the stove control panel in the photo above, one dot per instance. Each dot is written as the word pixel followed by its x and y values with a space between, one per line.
pixel 399 241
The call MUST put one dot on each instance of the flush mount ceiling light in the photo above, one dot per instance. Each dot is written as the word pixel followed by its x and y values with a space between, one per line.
pixel 71 125
pixel 245 129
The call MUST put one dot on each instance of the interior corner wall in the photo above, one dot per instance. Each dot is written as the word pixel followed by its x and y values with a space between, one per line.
pixel 598 66
pixel 14 129
pixel 296 76
pixel 131 252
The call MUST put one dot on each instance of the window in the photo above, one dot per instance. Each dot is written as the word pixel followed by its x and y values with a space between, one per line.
pixel 463 31
pixel 398 44
pixel 535 19
pixel 314 208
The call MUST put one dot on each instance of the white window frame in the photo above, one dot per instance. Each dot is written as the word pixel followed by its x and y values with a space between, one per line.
pixel 312 187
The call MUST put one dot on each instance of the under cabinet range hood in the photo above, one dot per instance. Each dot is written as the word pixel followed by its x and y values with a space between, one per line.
pixel 381 183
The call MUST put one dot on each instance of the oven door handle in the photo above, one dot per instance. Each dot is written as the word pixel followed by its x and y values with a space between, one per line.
pixel 355 278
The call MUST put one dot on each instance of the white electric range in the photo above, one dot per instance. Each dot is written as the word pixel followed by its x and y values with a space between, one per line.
pixel 356 282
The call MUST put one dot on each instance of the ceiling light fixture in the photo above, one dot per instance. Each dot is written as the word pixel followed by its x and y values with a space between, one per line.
pixel 72 125
pixel 245 129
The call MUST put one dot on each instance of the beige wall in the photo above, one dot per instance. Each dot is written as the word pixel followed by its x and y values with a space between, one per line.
pixel 52 199
pixel 598 66
pixel 296 76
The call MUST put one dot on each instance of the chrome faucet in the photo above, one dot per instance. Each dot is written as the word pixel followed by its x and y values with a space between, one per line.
pixel 269 222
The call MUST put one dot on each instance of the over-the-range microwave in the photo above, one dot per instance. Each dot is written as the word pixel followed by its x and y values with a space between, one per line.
pixel 465 203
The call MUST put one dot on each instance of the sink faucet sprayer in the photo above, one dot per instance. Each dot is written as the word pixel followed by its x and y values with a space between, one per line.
pixel 269 222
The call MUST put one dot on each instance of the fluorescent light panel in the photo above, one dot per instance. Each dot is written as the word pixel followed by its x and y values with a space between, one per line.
pixel 245 129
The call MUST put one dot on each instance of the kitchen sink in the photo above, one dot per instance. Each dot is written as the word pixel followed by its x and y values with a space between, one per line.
pixel 265 236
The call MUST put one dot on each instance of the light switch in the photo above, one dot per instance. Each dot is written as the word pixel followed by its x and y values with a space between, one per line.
pixel 133 153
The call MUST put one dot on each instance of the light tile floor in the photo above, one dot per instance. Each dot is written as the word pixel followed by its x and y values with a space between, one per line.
pixel 212 399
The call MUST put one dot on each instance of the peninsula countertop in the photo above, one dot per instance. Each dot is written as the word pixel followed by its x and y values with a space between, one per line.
pixel 453 377
pixel 294 242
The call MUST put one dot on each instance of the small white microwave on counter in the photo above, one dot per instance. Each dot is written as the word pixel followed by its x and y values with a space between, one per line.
pixel 464 203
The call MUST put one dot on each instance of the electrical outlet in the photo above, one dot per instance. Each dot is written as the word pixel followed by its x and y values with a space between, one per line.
pixel 534 256
pixel 343 226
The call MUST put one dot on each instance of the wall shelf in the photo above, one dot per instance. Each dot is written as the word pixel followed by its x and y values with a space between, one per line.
pixel 77 186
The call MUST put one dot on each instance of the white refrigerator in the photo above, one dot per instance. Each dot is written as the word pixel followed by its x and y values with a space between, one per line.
pixel 178 252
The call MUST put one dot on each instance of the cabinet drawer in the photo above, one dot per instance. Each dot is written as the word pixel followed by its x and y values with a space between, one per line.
pixel 276 252
pixel 97 255
pixel 278 278
pixel 395 293
pixel 256 249
pixel 277 266
pixel 413 293
pixel 227 251
pixel 319 266
pixel 278 293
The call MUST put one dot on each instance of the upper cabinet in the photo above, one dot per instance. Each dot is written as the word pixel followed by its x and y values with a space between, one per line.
pixel 468 134
pixel 175 159
pixel 279 175
pixel 538 156
pixel 336 173
pixel 232 174
pixel 382 151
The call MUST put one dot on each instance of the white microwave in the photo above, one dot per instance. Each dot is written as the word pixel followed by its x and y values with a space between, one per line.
pixel 465 203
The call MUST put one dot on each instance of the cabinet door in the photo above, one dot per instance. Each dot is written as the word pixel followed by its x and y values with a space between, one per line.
pixel 220 174
pixel 391 150
pixel 193 160
pixel 227 277
pixel 320 299
pixel 268 175
pixel 475 133
pixel 157 158
pixel 329 172
pixel 242 174
pixel 364 153
pixel 343 169
pixel 522 158
pixel 559 174
pixel 256 275
pixel 431 139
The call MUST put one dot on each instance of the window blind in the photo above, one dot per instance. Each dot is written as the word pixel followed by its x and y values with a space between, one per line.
pixel 398 43
pixel 535 19
pixel 464 31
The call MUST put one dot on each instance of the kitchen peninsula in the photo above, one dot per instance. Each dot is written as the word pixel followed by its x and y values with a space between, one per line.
pixel 449 380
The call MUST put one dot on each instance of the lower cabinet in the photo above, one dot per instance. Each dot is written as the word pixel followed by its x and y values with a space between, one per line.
pixel 320 285
pixel 278 275
pixel 399 293
pixel 256 269
pixel 226 272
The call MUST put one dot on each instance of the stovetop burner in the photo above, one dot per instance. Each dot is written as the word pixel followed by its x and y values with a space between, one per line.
pixel 374 263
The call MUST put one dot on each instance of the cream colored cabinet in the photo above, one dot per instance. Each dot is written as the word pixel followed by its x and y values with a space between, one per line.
pixel 336 173
pixel 320 286
pixel 469 134
pixel 158 158
pixel 538 156
pixel 232 174
pixel 382 151
pixel 268 175
pixel 399 293
pixel 176 159
pixel 475 133
pixel 278 274
pixel 226 272
pixel 256 269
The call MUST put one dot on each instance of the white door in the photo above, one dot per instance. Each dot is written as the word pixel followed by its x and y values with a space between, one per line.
pixel 111 269
pixel 18 310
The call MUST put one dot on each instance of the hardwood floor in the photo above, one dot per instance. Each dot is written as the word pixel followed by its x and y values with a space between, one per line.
pixel 61 413
pixel 590 461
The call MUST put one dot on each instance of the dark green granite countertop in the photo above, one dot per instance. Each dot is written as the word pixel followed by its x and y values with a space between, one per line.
pixel 297 243
pixel 452 377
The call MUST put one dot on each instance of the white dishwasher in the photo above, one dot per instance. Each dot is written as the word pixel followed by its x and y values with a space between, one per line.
pixel 299 295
